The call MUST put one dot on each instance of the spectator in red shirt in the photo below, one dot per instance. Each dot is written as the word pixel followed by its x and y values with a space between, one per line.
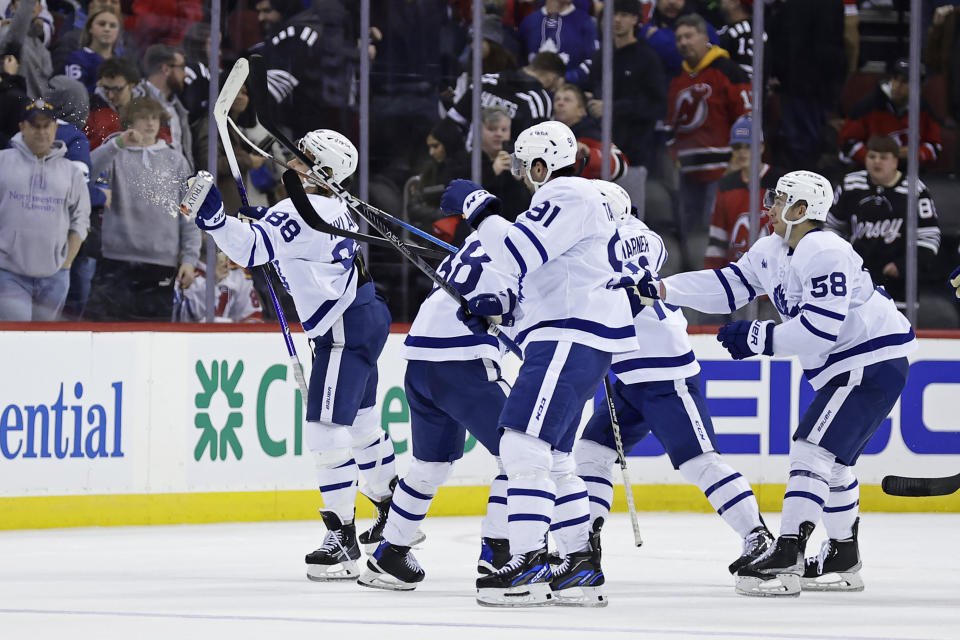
pixel 884 113
pixel 116 78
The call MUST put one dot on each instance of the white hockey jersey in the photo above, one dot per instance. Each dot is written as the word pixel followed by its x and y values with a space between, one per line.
pixel 236 300
pixel 559 253
pixel 437 335
pixel 317 269
pixel 834 318
pixel 664 351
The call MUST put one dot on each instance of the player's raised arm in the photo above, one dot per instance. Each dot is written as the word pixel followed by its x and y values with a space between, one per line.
pixel 718 290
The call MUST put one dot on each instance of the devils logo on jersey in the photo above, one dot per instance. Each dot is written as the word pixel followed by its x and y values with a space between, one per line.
pixel 692 107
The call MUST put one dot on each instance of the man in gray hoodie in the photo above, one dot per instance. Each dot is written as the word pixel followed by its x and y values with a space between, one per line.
pixel 45 217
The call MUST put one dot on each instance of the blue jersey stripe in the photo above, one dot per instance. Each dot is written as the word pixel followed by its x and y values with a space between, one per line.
pixel 845 507
pixel 266 241
pixel 824 312
pixel 653 363
pixel 415 517
pixel 570 498
pixel 323 309
pixel 534 241
pixel 720 483
pixel 736 270
pixel 596 479
pixel 726 288
pixel 532 493
pixel 890 340
pixel 508 243
pixel 587 326
pixel 527 517
pixel 804 494
pixel 733 501
pixel 429 342
pixel 413 492
pixel 812 329
pixel 846 488
pixel 570 523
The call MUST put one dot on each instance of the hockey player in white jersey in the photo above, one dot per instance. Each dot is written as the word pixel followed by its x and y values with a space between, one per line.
pixel 347 324
pixel 568 325
pixel 658 390
pixel 453 384
pixel 852 344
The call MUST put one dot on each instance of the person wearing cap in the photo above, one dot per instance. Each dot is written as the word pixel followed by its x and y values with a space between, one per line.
pixel 884 113
pixel 46 215
pixel 730 220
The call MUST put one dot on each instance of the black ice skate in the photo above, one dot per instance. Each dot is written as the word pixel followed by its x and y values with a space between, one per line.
pixel 372 537
pixel 578 582
pixel 392 567
pixel 836 568
pixel 777 571
pixel 336 559
pixel 523 582
pixel 756 542
pixel 494 553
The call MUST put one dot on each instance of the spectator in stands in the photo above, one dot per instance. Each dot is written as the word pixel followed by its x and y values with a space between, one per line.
pixel 560 27
pixel 236 300
pixel 496 177
pixel 500 49
pixel 69 41
pixel 524 93
pixel 46 213
pixel 570 108
pixel 147 246
pixel 163 21
pixel 704 103
pixel 116 79
pixel 884 113
pixel 639 87
pixel 870 209
pixel 165 69
pixel 810 77
pixel 24 37
pixel 196 82
pixel 13 97
pixel 730 220
pixel 101 33
pixel 659 32
pixel 448 161
pixel 736 36
pixel 942 55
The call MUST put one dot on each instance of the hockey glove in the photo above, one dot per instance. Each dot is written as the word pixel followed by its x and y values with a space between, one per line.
pixel 476 324
pixel 254 213
pixel 469 200
pixel 955 281
pixel 744 339
pixel 210 215
pixel 497 307
pixel 646 286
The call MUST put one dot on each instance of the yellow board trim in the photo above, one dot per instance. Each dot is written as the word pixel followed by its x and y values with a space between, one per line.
pixel 253 506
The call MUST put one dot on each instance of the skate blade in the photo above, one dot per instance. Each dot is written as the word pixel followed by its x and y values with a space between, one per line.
pixel 581 597
pixel 842 581
pixel 329 573
pixel 385 581
pixel 778 586
pixel 370 547
pixel 529 595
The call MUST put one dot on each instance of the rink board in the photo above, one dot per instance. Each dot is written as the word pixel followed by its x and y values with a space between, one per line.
pixel 136 427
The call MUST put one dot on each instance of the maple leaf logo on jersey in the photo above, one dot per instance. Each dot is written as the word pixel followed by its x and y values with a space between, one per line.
pixel 780 300
pixel 692 106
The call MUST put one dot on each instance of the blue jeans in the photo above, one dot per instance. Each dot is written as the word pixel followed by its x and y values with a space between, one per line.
pixel 25 299
pixel 81 275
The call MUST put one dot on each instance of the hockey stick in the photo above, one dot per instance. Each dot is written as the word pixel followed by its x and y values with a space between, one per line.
pixel 325 227
pixel 920 487
pixel 622 459
pixel 231 88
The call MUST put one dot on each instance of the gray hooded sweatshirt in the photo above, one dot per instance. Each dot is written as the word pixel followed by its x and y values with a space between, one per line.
pixel 41 200
pixel 143 223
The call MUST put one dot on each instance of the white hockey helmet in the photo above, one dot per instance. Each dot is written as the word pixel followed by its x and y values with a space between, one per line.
pixel 552 142
pixel 617 198
pixel 330 149
pixel 807 186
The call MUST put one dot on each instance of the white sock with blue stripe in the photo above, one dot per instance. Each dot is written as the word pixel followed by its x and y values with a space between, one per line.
pixel 807 487
pixel 373 451
pixel 336 468
pixel 412 498
pixel 728 491
pixel 530 489
pixel 843 504
pixel 595 467
pixel 494 524
pixel 571 511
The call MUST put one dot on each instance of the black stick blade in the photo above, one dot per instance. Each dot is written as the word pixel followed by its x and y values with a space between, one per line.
pixel 920 487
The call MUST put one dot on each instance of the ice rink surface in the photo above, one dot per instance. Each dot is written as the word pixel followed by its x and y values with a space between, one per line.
pixel 238 581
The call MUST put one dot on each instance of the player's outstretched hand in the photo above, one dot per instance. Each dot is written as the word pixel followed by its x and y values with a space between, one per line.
pixel 210 215
pixel 469 200
pixel 642 281
pixel 496 307
pixel 744 339
pixel 955 281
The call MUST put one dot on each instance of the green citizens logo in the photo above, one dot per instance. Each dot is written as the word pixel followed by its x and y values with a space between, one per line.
pixel 219 378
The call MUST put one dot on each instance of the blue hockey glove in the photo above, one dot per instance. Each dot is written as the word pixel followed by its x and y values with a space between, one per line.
pixel 211 215
pixel 955 281
pixel 469 200
pixel 643 282
pixel 744 339
pixel 252 212
pixel 496 307
pixel 476 324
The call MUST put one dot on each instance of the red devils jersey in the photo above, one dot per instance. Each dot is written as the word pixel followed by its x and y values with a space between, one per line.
pixel 730 221
pixel 703 105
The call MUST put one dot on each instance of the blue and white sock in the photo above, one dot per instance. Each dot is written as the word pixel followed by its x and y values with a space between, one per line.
pixel 494 524
pixel 843 504
pixel 807 487
pixel 373 451
pixel 595 467
pixel 412 498
pixel 728 491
